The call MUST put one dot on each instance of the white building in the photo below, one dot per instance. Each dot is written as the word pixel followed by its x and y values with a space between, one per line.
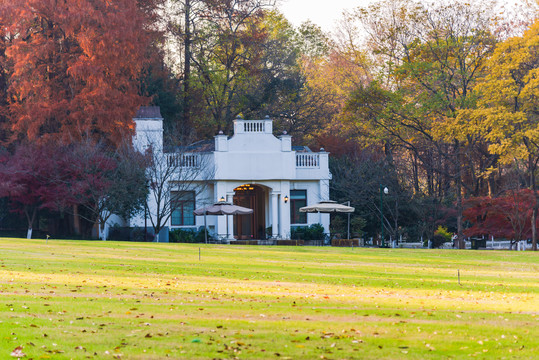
pixel 252 168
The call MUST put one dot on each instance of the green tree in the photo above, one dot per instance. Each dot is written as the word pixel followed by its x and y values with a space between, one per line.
pixel 430 58
pixel 218 47
pixel 508 108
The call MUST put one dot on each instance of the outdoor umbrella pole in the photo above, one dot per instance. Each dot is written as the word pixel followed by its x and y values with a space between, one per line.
pixel 348 222
pixel 329 206
pixel 222 208
pixel 205 230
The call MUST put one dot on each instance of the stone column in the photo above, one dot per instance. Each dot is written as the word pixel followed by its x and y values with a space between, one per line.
pixel 220 190
pixel 274 215
pixel 284 213
pixel 230 199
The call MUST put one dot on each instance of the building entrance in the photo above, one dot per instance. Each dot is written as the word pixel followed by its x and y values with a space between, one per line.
pixel 252 226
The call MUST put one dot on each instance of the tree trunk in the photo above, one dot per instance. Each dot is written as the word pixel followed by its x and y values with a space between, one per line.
pixel 458 181
pixel 462 243
pixel 76 219
pixel 30 218
pixel 415 172
pixel 101 226
pixel 533 183
pixel 187 65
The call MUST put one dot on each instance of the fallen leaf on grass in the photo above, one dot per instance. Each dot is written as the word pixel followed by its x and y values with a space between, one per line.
pixel 17 352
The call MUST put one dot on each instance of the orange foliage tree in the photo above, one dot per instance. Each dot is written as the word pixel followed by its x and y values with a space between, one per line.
pixel 70 68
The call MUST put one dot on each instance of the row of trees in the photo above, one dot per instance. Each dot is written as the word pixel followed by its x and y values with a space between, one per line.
pixel 82 181
pixel 451 106
pixel 435 101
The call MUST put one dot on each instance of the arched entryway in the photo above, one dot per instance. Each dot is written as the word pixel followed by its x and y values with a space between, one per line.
pixel 252 226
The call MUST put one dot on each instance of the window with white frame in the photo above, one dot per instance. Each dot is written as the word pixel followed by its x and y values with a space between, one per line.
pixel 298 199
pixel 183 205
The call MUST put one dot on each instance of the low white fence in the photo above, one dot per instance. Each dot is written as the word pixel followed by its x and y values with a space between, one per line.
pixel 490 245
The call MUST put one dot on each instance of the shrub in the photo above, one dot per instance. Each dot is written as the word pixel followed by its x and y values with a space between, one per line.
pixel 441 236
pixel 438 241
pixel 339 225
pixel 316 232
pixel 187 236
pixel 298 232
pixel 138 235
pixel 442 231
pixel 313 232
pixel 357 223
pixel 126 233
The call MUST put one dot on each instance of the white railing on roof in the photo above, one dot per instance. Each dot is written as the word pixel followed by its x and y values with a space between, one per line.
pixel 183 160
pixel 308 160
pixel 254 126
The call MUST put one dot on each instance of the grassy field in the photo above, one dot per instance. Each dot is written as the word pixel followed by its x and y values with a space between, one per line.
pixel 83 299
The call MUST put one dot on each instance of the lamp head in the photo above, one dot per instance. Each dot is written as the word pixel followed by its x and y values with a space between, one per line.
pixel 222 199
pixel 386 190
pixel 285 199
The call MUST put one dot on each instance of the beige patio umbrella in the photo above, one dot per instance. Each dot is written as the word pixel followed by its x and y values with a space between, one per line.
pixel 221 208
pixel 330 206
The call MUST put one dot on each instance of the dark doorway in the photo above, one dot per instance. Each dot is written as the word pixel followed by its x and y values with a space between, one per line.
pixel 252 226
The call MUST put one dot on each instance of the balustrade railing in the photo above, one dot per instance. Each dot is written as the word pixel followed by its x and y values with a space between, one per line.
pixel 183 160
pixel 307 160
pixel 254 126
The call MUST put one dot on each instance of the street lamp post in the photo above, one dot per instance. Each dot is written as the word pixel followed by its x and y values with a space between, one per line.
pixel 383 190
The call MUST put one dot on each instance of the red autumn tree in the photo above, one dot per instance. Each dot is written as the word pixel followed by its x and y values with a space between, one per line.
pixel 71 67
pixel 507 216
pixel 85 180
pixel 25 178
pixel 103 181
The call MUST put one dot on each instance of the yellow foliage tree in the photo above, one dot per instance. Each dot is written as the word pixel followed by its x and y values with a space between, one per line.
pixel 508 109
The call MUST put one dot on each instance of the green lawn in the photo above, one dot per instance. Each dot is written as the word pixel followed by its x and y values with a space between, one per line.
pixel 120 300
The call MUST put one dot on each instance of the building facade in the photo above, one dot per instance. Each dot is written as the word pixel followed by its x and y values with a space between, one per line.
pixel 252 168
